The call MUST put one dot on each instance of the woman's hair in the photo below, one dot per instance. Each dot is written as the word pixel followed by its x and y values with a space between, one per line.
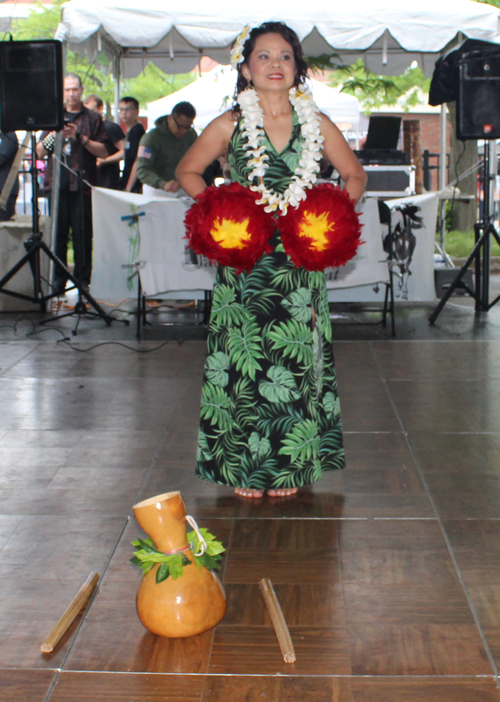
pixel 288 35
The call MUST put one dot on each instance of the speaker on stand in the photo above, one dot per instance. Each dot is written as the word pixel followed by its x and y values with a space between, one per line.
pixel 478 117
pixel 32 99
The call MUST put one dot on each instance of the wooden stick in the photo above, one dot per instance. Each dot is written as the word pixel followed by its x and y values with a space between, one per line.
pixel 69 615
pixel 278 620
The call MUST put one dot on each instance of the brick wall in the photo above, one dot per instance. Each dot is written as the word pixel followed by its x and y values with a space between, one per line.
pixel 429 135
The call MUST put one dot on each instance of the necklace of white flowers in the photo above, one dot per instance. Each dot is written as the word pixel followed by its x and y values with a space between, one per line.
pixel 253 129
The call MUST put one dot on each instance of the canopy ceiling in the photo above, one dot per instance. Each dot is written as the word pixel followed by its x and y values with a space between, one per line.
pixel 386 33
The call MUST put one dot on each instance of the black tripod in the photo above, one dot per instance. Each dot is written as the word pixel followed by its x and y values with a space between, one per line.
pixel 33 246
pixel 483 231
pixel 80 308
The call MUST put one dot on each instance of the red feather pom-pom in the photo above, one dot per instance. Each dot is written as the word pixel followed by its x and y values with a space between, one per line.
pixel 227 226
pixel 323 231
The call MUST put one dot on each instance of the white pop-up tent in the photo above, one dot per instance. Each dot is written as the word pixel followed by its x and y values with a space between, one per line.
pixel 389 34
pixel 212 94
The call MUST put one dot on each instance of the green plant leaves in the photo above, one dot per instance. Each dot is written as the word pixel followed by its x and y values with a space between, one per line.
pixel 147 555
pixel 294 339
pixel 298 303
pixel 259 447
pixel 216 366
pixel 302 443
pixel 225 310
pixel 245 348
pixel 282 387
pixel 331 404
pixel 214 405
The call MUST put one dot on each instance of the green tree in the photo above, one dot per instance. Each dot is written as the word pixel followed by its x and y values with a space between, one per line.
pixel 372 90
pixel 149 85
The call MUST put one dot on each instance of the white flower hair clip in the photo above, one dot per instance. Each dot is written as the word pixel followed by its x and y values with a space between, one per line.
pixel 239 43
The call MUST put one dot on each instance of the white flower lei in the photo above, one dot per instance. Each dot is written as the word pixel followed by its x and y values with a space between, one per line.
pixel 310 127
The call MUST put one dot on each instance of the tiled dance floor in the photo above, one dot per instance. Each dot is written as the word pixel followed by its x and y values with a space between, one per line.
pixel 388 573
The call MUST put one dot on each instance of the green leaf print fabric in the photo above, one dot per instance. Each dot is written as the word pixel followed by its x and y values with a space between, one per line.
pixel 270 413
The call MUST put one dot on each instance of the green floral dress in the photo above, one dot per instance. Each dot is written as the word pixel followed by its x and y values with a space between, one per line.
pixel 270 414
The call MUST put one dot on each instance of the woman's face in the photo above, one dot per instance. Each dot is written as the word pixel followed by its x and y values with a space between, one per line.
pixel 271 65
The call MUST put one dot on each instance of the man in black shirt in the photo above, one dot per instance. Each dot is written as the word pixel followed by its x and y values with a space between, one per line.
pixel 8 150
pixel 128 109
pixel 85 140
pixel 108 169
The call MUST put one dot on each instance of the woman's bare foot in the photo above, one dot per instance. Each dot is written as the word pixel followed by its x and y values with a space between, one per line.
pixel 248 492
pixel 285 492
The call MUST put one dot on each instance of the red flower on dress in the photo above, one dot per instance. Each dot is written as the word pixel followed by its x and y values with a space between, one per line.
pixel 323 231
pixel 227 226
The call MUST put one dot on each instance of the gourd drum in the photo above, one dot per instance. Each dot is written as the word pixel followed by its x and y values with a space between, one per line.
pixel 192 603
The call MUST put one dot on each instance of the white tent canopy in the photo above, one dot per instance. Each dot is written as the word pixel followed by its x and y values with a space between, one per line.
pixel 212 94
pixel 388 33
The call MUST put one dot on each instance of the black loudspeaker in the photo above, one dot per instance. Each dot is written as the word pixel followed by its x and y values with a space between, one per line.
pixel 31 85
pixel 478 104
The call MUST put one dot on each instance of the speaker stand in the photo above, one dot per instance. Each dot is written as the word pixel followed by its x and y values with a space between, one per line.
pixel 481 251
pixel 34 245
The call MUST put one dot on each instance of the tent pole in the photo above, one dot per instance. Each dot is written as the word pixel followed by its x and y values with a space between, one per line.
pixel 117 89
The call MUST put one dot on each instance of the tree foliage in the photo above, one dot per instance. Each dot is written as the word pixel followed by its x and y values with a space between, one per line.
pixel 149 85
pixel 372 90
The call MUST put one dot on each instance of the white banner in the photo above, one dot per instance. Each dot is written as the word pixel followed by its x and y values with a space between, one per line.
pixel 138 233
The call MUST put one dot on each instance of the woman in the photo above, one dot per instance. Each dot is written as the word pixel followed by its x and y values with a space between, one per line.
pixel 270 418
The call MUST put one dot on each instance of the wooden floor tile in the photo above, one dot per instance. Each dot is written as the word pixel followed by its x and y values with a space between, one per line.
pixel 240 650
pixel 21 640
pixel 392 566
pixel 424 403
pixel 303 605
pixel 406 360
pixel 290 534
pixel 125 645
pixel 418 650
pixel 457 454
pixel 282 566
pixel 116 687
pixel 365 406
pixel 29 685
pixel 406 604
pixel 277 688
pixel 424 690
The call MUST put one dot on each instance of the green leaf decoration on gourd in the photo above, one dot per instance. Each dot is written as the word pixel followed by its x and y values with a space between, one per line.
pixel 216 366
pixel 245 348
pixel 295 340
pixel 302 443
pixel 282 387
pixel 214 406
pixel 259 447
pixel 171 565
pixel 298 304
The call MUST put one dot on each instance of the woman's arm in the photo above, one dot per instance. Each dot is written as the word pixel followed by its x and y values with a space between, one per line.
pixel 343 159
pixel 211 144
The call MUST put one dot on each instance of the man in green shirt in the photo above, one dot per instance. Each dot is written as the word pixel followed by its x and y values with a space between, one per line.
pixel 161 149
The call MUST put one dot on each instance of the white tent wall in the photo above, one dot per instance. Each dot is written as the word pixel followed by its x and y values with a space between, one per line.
pixel 212 94
pixel 388 34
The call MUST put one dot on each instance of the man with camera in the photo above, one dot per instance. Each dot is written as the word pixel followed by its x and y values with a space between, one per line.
pixel 85 140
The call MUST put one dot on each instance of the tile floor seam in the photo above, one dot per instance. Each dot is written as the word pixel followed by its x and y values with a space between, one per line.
pixel 439 521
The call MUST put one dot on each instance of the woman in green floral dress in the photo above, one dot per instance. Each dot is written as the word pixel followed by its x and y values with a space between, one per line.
pixel 270 416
